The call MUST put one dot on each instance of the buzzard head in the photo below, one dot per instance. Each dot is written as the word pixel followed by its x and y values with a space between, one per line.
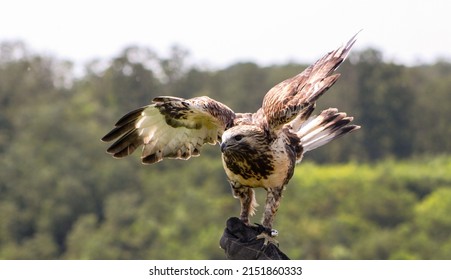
pixel 243 139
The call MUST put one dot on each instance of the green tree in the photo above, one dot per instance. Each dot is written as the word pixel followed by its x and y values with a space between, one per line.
pixel 385 107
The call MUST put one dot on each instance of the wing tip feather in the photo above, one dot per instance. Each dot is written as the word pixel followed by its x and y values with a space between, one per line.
pixel 344 50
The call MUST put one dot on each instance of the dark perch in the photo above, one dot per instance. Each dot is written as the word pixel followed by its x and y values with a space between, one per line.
pixel 240 242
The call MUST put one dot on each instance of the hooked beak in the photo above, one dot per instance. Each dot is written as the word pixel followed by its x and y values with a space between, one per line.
pixel 223 147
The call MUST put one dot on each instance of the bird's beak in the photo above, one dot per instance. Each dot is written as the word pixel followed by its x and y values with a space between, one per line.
pixel 223 147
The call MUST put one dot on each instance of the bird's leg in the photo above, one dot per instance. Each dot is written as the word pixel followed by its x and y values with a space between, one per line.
pixel 272 204
pixel 248 203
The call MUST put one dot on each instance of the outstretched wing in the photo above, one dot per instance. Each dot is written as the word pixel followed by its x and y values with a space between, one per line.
pixel 170 128
pixel 298 94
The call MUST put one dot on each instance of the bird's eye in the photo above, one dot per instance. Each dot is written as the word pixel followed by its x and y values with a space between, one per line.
pixel 238 137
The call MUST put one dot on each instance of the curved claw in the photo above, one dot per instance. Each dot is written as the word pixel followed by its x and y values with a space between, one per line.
pixel 268 238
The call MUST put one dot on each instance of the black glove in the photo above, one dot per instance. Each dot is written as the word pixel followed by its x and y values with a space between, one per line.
pixel 240 242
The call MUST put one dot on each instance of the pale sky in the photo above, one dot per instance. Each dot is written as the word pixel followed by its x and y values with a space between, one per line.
pixel 219 33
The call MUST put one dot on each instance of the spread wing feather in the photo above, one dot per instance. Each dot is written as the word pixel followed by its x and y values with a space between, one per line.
pixel 170 128
pixel 319 130
pixel 291 97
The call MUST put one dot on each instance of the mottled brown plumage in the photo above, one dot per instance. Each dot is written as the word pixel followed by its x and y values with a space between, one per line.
pixel 259 150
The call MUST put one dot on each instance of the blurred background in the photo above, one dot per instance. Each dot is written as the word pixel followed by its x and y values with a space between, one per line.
pixel 68 71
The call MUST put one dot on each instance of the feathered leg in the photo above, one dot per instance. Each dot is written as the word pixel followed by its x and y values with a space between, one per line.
pixel 248 203
pixel 273 198
pixel 272 204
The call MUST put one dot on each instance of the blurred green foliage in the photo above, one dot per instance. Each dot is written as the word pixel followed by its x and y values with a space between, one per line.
pixel 383 192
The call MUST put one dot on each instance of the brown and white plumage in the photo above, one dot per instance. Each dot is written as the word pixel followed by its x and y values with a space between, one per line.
pixel 172 127
pixel 259 150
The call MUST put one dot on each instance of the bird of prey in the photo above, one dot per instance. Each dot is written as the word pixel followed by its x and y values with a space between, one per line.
pixel 259 150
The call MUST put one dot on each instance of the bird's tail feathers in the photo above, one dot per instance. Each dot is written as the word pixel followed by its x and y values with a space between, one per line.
pixel 322 129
